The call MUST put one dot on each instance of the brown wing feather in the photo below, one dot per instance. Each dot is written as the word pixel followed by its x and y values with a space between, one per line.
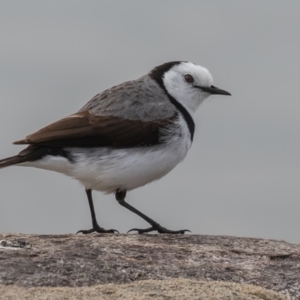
pixel 84 129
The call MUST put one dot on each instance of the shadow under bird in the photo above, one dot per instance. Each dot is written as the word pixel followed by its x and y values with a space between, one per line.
pixel 125 137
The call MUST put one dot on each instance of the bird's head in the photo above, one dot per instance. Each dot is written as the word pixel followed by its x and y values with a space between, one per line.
pixel 188 83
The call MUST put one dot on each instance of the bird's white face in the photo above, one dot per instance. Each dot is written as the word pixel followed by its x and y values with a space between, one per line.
pixel 189 84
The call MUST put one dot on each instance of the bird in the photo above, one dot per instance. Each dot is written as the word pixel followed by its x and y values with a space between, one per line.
pixel 125 137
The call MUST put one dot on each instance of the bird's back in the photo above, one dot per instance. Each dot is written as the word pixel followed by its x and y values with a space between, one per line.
pixel 141 99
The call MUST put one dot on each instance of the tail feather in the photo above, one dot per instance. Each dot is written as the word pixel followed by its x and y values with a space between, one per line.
pixel 13 160
pixel 33 153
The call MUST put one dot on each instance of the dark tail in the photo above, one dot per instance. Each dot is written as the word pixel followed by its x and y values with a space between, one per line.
pixel 33 153
pixel 10 161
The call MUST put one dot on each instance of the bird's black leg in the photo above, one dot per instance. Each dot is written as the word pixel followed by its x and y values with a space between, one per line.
pixel 120 197
pixel 96 227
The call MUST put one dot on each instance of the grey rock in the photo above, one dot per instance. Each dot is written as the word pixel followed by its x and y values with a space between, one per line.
pixel 77 261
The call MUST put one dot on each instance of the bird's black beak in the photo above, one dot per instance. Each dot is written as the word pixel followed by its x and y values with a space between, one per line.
pixel 214 90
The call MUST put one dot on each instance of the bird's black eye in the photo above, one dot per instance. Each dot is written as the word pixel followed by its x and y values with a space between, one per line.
pixel 189 78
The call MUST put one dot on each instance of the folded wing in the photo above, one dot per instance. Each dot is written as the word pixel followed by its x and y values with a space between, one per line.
pixel 85 129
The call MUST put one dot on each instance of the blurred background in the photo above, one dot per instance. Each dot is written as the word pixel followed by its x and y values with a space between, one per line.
pixel 241 176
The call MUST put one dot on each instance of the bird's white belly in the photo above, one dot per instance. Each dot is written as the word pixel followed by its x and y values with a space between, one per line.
pixel 112 169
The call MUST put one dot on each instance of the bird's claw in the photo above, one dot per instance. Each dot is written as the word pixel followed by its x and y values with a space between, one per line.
pixel 159 229
pixel 98 229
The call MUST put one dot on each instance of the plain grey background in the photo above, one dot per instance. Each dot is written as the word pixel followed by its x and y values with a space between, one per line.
pixel 241 176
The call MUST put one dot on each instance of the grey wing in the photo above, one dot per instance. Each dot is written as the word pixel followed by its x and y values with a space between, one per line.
pixel 141 99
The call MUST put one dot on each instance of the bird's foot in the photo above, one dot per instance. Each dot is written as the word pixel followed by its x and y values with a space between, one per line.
pixel 98 229
pixel 159 229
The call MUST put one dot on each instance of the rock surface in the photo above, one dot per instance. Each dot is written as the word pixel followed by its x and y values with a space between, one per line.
pixel 140 262
pixel 181 289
